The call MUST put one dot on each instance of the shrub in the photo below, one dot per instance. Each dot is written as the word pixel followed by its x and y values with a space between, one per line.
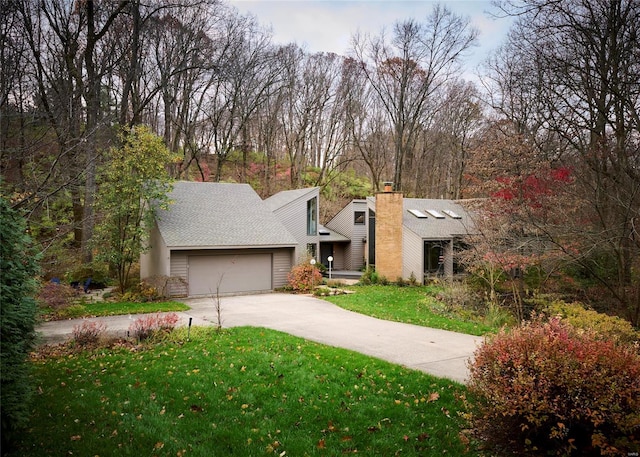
pixel 18 267
pixel 609 327
pixel 303 277
pixel 89 332
pixel 548 387
pixel 370 276
pixel 97 271
pixel 143 292
pixel 56 296
pixel 150 326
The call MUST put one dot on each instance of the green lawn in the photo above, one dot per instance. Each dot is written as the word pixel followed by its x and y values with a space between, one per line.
pixel 413 305
pixel 107 308
pixel 242 391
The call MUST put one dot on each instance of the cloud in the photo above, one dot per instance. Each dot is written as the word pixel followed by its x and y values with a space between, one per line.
pixel 328 25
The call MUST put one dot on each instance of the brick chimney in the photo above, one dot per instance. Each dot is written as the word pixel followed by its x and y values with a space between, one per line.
pixel 389 210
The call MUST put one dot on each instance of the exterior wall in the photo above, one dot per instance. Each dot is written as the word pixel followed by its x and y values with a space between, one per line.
pixel 389 250
pixel 339 257
pixel 448 259
pixel 179 271
pixel 282 261
pixel 413 256
pixel 155 262
pixel 343 223
pixel 294 217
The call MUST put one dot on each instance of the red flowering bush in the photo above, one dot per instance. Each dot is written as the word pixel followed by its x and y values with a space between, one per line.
pixel 303 277
pixel 56 296
pixel 89 332
pixel 150 326
pixel 548 388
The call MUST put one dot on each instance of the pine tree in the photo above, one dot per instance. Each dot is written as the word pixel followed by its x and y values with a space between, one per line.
pixel 18 269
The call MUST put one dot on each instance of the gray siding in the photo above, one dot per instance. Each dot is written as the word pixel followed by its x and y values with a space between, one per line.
pixel 339 257
pixel 294 217
pixel 179 271
pixel 282 263
pixel 448 259
pixel 343 223
pixel 413 253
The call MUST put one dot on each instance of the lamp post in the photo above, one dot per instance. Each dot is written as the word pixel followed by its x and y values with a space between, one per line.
pixel 330 259
pixel 313 265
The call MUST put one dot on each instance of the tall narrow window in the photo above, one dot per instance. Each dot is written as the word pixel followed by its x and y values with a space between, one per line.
pixel 312 216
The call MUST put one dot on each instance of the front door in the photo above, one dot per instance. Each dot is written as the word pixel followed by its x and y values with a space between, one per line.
pixel 326 250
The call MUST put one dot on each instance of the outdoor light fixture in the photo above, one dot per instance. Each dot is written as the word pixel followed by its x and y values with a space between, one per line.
pixel 313 264
pixel 330 259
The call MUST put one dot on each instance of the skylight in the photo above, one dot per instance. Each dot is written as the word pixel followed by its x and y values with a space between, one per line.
pixel 436 214
pixel 417 213
pixel 451 214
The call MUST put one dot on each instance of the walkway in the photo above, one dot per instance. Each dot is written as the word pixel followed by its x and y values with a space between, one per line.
pixel 437 352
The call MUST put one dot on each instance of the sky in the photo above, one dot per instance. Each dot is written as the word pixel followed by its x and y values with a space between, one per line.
pixel 327 25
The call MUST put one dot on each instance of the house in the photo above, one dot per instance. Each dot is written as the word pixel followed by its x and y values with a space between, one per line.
pixel 346 236
pixel 223 238
pixel 218 238
pixel 298 211
pixel 401 237
pixel 414 236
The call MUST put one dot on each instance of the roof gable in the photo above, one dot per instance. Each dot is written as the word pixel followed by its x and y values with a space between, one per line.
pixel 219 215
pixel 286 197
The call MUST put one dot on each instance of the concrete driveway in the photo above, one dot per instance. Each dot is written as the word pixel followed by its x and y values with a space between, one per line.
pixel 438 352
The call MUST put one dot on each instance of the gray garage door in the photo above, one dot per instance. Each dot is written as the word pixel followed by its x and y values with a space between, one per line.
pixel 231 273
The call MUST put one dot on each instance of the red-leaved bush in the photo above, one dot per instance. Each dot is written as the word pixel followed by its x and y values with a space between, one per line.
pixel 148 326
pixel 303 277
pixel 547 388
pixel 89 332
pixel 56 296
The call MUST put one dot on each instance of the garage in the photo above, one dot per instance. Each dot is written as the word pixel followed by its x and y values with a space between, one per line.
pixel 229 273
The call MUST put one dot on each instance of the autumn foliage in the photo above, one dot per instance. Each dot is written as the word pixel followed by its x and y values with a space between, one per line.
pixel 549 388
pixel 303 277
pixel 150 326
pixel 88 332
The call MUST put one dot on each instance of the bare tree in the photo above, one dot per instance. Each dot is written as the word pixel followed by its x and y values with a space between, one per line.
pixel 587 97
pixel 406 69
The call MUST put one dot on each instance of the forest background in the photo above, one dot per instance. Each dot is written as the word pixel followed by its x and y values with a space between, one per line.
pixel 544 145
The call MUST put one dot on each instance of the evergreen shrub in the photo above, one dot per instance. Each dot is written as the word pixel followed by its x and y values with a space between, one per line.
pixel 18 268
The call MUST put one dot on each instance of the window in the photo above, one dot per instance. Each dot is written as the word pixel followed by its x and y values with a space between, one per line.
pixel 417 213
pixel 358 218
pixel 451 214
pixel 312 250
pixel 433 257
pixel 312 216
pixel 436 214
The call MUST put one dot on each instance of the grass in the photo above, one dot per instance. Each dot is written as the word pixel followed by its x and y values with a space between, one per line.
pixel 112 309
pixel 412 305
pixel 242 391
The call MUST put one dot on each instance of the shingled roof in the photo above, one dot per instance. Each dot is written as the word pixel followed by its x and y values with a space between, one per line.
pixel 431 226
pixel 282 198
pixel 219 215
